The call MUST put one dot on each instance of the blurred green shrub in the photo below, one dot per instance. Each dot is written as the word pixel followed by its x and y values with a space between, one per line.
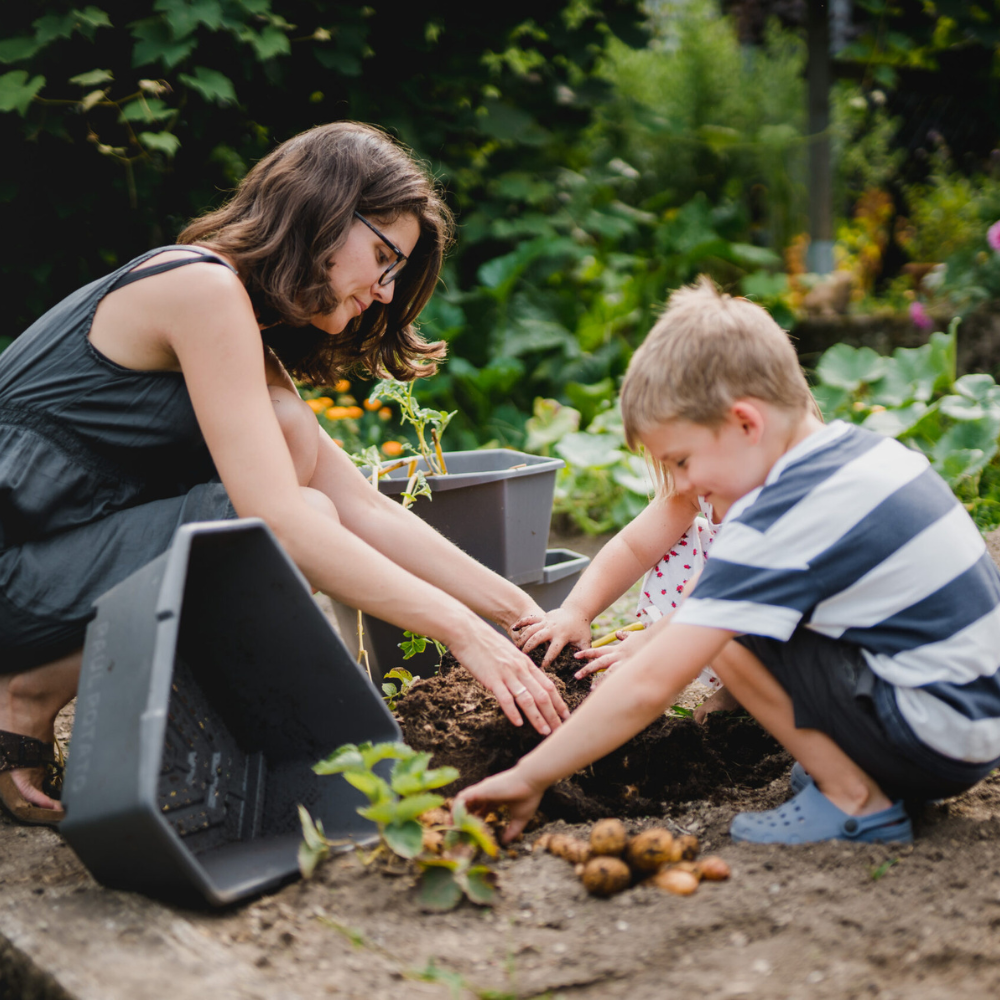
pixel 914 396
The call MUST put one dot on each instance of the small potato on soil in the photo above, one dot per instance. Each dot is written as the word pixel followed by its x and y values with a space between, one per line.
pixel 650 850
pixel 571 848
pixel 675 880
pixel 604 876
pixel 685 848
pixel 542 843
pixel 608 837
pixel 713 869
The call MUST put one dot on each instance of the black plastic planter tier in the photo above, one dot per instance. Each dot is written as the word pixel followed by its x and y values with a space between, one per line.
pixel 562 569
pixel 211 683
pixel 494 504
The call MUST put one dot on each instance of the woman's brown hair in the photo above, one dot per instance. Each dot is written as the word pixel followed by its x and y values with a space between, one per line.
pixel 290 215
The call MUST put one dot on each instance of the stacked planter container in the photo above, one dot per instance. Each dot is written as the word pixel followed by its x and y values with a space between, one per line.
pixel 496 505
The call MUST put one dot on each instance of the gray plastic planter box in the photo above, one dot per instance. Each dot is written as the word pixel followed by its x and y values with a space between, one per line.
pixel 562 569
pixel 211 683
pixel 494 504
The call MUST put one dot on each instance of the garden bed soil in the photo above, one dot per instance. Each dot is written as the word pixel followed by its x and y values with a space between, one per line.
pixel 832 920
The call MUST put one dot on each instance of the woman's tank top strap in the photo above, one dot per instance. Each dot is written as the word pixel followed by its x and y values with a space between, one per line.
pixel 199 256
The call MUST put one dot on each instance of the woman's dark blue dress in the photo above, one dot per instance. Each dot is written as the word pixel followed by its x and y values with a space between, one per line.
pixel 99 464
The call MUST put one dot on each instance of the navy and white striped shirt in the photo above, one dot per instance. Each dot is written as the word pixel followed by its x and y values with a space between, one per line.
pixel 853 535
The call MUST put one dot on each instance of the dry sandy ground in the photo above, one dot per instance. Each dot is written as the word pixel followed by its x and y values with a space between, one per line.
pixel 826 921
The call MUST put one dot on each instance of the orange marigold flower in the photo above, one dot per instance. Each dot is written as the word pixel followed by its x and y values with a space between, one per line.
pixel 372 404
pixel 338 442
pixel 392 448
pixel 354 412
pixel 319 404
pixel 336 413
pixel 385 413
pixel 341 385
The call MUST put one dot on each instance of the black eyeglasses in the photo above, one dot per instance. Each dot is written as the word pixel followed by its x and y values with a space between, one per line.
pixel 389 275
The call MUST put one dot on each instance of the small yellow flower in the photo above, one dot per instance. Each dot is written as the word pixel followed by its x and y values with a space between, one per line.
pixel 878 408
pixel 385 413
pixel 341 385
pixel 858 406
pixel 392 448
pixel 372 404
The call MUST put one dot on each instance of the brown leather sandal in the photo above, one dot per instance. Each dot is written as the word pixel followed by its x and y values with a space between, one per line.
pixel 17 751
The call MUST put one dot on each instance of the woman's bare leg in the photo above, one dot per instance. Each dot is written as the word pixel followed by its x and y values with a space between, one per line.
pixel 837 776
pixel 29 704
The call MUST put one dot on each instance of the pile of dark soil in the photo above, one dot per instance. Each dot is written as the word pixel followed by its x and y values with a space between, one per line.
pixel 672 761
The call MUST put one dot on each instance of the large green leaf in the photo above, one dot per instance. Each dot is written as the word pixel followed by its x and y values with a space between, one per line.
pixel 439 891
pixel 475 829
pixel 589 451
pixel 529 335
pixel 17 91
pixel 371 785
pixel 405 839
pixel 954 466
pixel 831 399
pixel 893 423
pixel 183 16
pixel 480 884
pixel 155 43
pixel 163 142
pixel 849 367
pixel 416 805
pixel 211 84
pixel 345 758
pixel 551 422
pixel 633 473
pixel 408 774
pixel 16 49
pixel 147 109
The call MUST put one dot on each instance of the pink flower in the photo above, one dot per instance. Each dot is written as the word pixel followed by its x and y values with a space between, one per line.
pixel 919 316
pixel 993 236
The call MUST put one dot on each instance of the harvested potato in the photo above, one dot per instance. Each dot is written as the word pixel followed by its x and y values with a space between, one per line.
pixel 680 883
pixel 608 837
pixel 542 843
pixel 571 848
pixel 686 848
pixel 604 876
pixel 436 817
pixel 650 850
pixel 433 840
pixel 713 868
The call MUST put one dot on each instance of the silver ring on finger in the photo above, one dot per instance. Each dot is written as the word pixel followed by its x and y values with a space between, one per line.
pixel 521 690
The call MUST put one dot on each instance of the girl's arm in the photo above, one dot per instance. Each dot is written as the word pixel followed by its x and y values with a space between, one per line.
pixel 622 706
pixel 204 317
pixel 622 561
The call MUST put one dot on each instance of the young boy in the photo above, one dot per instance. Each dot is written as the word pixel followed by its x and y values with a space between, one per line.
pixel 849 603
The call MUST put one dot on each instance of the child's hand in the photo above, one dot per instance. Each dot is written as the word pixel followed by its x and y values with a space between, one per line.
pixel 506 788
pixel 560 628
pixel 609 658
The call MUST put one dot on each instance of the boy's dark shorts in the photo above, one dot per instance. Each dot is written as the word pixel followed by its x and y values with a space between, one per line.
pixel 835 691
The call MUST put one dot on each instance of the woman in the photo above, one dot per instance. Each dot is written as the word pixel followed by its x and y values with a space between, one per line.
pixel 148 399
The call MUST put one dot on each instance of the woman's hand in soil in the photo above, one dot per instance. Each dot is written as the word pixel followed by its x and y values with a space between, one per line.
pixel 560 628
pixel 519 686
pixel 506 788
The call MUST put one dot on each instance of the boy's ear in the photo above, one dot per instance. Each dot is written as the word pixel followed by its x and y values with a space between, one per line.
pixel 749 418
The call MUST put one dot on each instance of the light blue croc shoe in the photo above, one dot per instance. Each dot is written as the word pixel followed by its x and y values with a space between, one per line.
pixel 798 779
pixel 811 817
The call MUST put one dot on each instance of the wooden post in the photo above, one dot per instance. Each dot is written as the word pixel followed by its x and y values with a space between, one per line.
pixel 820 255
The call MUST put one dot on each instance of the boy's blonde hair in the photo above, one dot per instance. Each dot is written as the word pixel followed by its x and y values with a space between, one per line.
pixel 706 351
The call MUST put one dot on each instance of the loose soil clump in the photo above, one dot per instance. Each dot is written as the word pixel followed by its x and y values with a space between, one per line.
pixel 674 760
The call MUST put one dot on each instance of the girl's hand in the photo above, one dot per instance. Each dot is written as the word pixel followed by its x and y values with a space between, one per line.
pixel 519 686
pixel 609 658
pixel 560 628
pixel 506 788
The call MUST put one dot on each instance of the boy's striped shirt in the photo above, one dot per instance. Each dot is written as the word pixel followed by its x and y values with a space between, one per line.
pixel 854 536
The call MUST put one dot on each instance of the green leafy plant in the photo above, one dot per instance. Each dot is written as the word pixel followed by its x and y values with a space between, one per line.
pixel 396 806
pixel 424 420
pixel 393 693
pixel 602 486
pixel 914 396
